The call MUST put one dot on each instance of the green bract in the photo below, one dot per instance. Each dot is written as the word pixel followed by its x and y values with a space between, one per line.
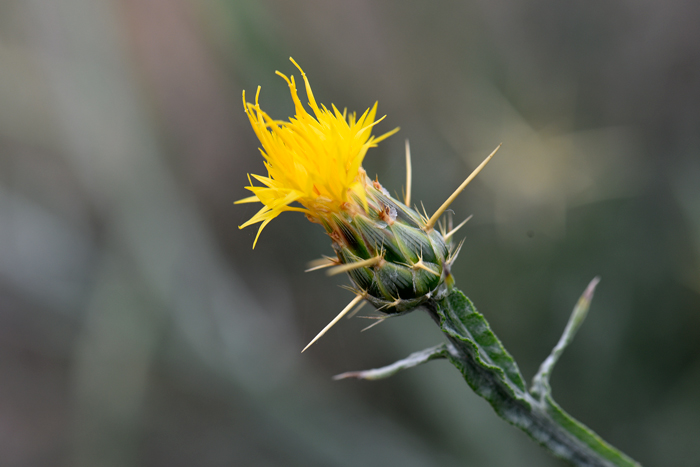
pixel 410 261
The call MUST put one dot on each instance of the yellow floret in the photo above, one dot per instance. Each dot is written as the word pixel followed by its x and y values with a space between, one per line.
pixel 313 160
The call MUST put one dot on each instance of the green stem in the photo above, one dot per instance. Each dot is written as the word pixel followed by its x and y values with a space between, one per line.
pixel 493 374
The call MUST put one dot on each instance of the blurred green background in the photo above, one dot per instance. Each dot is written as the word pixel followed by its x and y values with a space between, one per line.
pixel 138 328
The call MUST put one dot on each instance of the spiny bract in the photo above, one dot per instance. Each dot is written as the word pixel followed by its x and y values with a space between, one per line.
pixel 393 255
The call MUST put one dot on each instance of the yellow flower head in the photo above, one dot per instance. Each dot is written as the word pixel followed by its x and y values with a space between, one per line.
pixel 313 160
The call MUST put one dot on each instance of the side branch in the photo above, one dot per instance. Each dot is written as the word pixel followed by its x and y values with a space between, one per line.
pixel 415 359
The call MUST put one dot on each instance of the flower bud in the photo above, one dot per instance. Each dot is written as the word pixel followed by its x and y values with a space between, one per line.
pixel 410 265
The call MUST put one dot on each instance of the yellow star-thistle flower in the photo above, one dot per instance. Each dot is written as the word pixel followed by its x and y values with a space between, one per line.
pixel 313 160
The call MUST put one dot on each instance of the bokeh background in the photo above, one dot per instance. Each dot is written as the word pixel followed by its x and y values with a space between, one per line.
pixel 138 328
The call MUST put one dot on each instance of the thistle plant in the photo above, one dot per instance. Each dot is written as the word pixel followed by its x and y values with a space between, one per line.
pixel 400 260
